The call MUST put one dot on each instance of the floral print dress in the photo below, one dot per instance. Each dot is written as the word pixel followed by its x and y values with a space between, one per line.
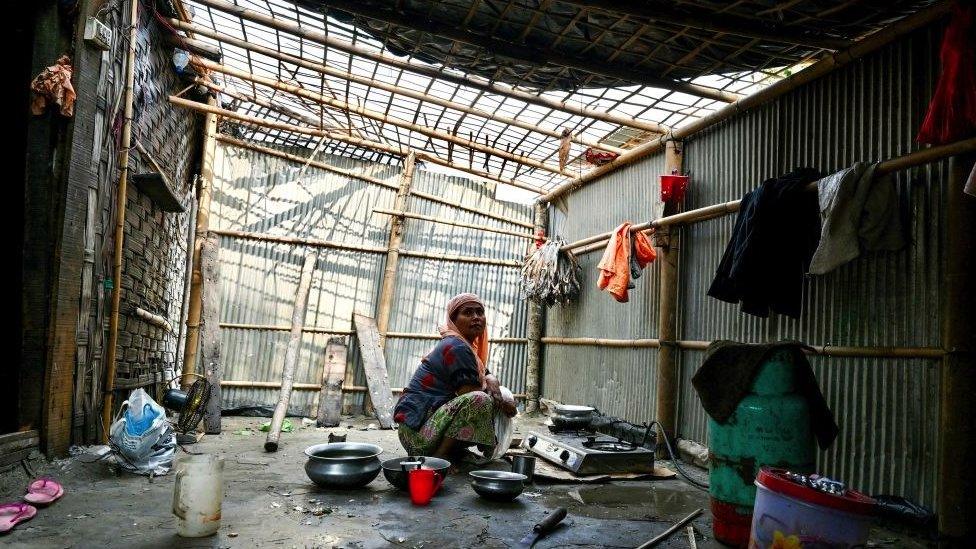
pixel 429 409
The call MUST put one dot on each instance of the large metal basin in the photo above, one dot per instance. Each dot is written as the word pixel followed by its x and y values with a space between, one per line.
pixel 497 485
pixel 343 464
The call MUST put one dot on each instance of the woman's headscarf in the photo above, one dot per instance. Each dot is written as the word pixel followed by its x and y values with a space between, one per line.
pixel 480 345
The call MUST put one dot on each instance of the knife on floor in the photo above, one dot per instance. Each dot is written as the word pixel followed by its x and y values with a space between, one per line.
pixel 547 525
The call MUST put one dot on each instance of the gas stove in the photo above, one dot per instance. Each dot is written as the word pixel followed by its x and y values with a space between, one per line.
pixel 590 453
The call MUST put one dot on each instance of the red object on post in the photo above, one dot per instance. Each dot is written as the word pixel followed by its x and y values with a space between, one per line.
pixel 673 187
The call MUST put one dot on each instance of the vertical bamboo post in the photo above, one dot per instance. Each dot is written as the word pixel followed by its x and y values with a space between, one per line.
pixel 397 223
pixel 212 365
pixel 204 194
pixel 667 362
pixel 291 353
pixel 120 207
pixel 537 319
pixel 955 482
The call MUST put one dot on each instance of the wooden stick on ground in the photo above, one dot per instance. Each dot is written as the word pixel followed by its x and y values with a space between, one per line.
pixel 656 540
pixel 291 354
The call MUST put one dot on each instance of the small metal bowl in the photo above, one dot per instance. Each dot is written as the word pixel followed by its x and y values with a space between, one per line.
pixel 393 470
pixel 343 464
pixel 498 485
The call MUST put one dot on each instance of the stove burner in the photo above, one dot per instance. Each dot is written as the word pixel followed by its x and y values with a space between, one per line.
pixel 609 445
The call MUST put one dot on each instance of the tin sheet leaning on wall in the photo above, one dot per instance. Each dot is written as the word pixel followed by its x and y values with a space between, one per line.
pixel 258 193
pixel 887 408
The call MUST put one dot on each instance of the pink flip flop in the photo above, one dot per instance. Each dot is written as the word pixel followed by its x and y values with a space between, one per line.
pixel 12 514
pixel 43 491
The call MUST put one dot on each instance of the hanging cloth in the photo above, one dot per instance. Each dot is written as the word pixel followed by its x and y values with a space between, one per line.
pixel 53 86
pixel 615 266
pixel 952 112
pixel 857 212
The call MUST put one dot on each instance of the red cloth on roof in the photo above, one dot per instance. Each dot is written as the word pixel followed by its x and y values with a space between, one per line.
pixel 615 264
pixel 952 112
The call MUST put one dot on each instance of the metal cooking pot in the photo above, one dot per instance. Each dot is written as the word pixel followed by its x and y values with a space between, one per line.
pixel 572 417
pixel 343 464
pixel 395 470
pixel 497 485
pixel 574 411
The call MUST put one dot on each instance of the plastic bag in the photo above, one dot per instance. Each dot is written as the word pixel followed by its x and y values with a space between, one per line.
pixel 504 427
pixel 142 439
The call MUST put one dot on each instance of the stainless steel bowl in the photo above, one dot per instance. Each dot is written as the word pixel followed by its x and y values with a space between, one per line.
pixel 497 485
pixel 393 470
pixel 343 464
pixel 573 411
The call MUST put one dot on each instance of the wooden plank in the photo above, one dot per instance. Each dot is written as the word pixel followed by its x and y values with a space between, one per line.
pixel 14 442
pixel 210 330
pixel 374 364
pixel 330 397
pixel 14 457
pixel 291 353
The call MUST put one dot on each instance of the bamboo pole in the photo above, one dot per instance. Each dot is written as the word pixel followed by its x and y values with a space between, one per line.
pixel 243 384
pixel 332 331
pixel 155 320
pixel 406 92
pixel 397 226
pixel 444 221
pixel 291 354
pixel 322 165
pixel 371 249
pixel 917 158
pixel 323 99
pixel 955 481
pixel 826 65
pixel 836 351
pixel 120 208
pixel 205 193
pixel 667 358
pixel 382 147
pixel 527 53
pixel 536 328
pixel 321 38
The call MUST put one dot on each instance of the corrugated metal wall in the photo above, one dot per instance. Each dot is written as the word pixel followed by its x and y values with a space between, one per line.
pixel 617 381
pixel 887 409
pixel 258 193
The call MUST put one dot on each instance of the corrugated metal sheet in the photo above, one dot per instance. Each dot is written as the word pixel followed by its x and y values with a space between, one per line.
pixel 258 193
pixel 617 381
pixel 887 409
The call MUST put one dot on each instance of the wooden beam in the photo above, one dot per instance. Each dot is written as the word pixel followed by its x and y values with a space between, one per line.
pixel 825 66
pixel 320 37
pixel 120 207
pixel 333 373
pixel 210 360
pixel 397 226
pixel 524 52
pixel 278 108
pixel 555 133
pixel 717 22
pixel 380 117
pixel 347 173
pixel 255 121
pixel 536 328
pixel 432 219
pixel 205 194
pixel 667 358
pixel 193 46
pixel 299 310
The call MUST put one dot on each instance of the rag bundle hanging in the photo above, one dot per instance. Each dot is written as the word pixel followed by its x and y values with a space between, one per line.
pixel 952 112
pixel 858 212
pixel 53 86
pixel 626 255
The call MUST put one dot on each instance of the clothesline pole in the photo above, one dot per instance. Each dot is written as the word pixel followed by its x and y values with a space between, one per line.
pixel 917 158
pixel 956 425
pixel 667 362
pixel 536 328
pixel 397 226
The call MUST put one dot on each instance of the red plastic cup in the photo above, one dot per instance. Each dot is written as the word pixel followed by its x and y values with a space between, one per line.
pixel 423 484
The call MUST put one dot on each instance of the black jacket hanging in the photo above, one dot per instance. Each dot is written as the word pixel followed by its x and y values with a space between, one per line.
pixel 775 235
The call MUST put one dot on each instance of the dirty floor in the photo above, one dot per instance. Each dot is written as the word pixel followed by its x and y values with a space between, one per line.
pixel 269 502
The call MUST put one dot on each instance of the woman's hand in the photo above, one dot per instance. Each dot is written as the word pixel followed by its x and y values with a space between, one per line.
pixel 493 387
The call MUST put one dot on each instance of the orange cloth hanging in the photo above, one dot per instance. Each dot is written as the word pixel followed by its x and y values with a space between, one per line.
pixel 615 264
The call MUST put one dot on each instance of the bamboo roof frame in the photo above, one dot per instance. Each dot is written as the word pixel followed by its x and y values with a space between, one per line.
pixel 485 124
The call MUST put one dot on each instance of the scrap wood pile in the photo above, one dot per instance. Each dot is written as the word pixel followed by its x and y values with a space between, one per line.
pixel 550 275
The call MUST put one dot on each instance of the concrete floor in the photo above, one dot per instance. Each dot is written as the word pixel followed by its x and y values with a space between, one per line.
pixel 267 503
